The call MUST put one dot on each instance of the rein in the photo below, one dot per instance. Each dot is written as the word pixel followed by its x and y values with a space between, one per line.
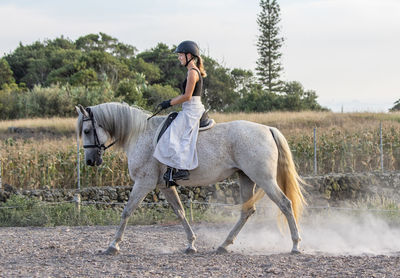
pixel 155 113
pixel 96 141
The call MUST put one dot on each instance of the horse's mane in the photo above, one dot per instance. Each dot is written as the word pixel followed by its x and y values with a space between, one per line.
pixel 124 123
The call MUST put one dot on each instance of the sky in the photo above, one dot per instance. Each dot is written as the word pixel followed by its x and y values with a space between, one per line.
pixel 347 51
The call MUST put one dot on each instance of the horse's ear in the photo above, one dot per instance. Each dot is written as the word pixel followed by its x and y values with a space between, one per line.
pixel 80 109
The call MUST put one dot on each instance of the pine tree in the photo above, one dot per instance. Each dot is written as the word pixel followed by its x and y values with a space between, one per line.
pixel 269 66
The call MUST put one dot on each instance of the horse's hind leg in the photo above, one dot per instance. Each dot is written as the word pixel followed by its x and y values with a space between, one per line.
pixel 285 205
pixel 139 191
pixel 246 192
pixel 172 197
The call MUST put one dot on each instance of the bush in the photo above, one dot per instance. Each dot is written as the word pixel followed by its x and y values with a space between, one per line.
pixel 51 101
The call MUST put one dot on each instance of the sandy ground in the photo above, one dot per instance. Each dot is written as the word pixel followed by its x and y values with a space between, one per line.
pixel 157 251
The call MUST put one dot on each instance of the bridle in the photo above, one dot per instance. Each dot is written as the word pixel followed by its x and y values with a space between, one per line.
pixel 96 140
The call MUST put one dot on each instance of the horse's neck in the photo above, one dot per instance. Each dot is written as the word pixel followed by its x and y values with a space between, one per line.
pixel 143 143
pixel 155 122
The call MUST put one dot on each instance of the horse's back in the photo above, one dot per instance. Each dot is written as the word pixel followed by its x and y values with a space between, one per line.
pixel 236 137
pixel 236 131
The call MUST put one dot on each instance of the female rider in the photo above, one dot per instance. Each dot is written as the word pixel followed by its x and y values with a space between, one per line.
pixel 177 146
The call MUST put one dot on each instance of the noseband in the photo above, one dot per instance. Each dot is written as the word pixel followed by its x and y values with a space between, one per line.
pixel 96 140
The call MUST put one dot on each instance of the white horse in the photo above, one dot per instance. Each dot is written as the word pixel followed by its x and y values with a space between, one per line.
pixel 258 153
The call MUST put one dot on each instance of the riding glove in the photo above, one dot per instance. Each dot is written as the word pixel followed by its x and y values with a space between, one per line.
pixel 165 104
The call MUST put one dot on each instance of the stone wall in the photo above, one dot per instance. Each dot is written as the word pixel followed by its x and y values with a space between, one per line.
pixel 336 188
pixel 320 190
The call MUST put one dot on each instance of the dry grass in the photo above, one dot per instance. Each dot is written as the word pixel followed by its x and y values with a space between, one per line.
pixel 62 125
pixel 295 122
pixel 285 121
pixel 52 163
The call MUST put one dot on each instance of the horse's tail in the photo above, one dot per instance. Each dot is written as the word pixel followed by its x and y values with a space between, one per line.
pixel 287 177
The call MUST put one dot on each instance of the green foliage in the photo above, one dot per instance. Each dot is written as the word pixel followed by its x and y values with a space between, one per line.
pixel 269 66
pixel 6 74
pixel 157 93
pixel 20 211
pixel 396 106
pixel 166 60
pixel 90 59
pixel 104 43
pixel 150 70
pixel 253 98
pixel 54 100
pixel 131 92
pixel 219 86
pixel 51 101
pixel 257 100
pixel 49 78
pixel 11 102
pixel 294 98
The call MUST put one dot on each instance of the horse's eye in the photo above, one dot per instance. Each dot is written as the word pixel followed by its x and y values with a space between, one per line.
pixel 86 131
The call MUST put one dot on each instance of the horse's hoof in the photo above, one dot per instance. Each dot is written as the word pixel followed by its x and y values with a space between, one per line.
pixel 190 250
pixel 221 250
pixel 111 251
pixel 295 252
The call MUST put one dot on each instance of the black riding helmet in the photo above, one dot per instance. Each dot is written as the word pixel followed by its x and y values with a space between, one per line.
pixel 188 47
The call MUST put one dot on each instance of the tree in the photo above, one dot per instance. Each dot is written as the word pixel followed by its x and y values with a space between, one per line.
pixel 150 70
pixel 219 86
pixel 269 66
pixel 257 100
pixel 105 43
pixel 396 106
pixel 295 98
pixel 167 62
pixel 6 74
pixel 243 80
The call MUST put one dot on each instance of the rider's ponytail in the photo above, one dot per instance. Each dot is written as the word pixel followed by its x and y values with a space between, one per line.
pixel 200 66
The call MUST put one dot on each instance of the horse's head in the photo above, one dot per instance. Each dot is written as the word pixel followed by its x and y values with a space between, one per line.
pixel 108 121
pixel 94 136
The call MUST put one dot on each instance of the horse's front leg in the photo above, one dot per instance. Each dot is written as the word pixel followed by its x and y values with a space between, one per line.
pixel 173 198
pixel 138 193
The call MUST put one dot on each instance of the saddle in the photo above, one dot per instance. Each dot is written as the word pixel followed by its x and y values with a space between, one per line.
pixel 205 123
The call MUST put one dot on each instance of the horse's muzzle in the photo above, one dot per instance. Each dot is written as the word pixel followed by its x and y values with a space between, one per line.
pixel 92 162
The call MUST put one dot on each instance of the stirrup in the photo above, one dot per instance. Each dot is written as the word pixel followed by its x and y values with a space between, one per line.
pixel 168 177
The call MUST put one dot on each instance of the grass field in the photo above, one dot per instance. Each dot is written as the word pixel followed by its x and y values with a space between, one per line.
pixel 45 155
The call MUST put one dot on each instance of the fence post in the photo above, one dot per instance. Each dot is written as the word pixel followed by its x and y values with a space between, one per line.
pixel 190 210
pixel 77 197
pixel 315 151
pixel 77 200
pixel 381 145
pixel 1 185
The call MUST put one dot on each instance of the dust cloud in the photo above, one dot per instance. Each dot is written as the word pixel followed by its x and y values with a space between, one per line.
pixel 330 232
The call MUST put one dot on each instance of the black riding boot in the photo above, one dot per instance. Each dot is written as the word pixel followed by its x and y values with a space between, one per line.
pixel 181 175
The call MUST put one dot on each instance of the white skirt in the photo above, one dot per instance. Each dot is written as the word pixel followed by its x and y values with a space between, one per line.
pixel 177 146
